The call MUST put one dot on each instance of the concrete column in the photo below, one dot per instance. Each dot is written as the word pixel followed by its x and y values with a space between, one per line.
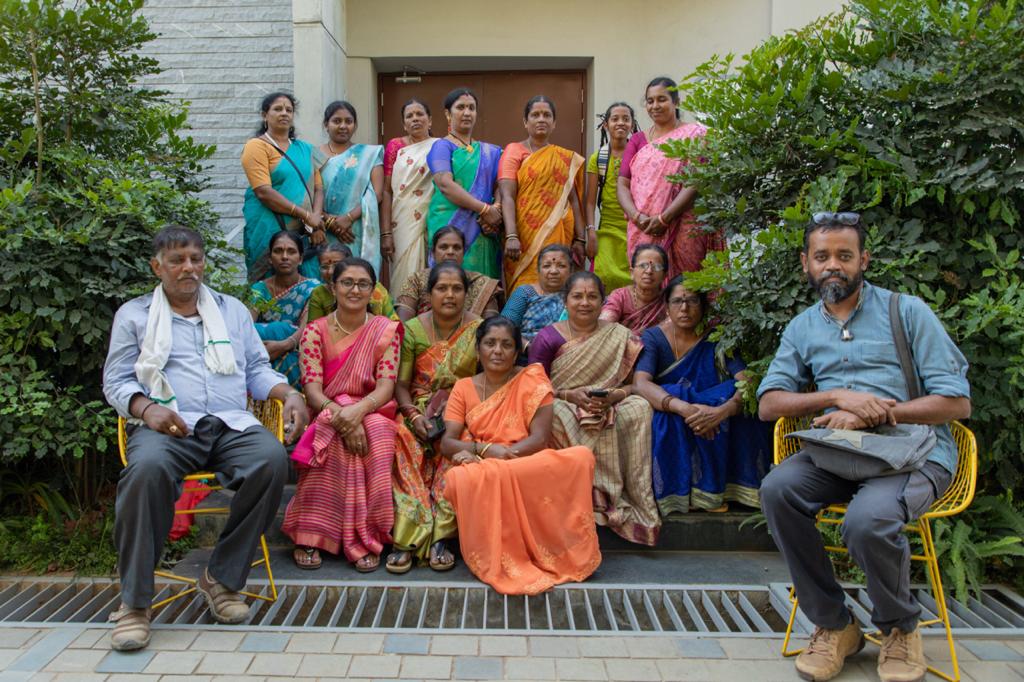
pixel 319 49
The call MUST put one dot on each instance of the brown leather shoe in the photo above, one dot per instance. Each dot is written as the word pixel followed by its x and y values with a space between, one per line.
pixel 825 654
pixel 225 606
pixel 132 630
pixel 901 658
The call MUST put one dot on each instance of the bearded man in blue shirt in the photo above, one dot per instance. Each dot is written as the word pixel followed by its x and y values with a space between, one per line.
pixel 181 363
pixel 844 346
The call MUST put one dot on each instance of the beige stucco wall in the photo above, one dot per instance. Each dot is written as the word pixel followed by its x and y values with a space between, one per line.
pixel 319 52
pixel 625 44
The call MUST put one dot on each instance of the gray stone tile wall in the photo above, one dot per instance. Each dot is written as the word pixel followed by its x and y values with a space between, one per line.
pixel 223 56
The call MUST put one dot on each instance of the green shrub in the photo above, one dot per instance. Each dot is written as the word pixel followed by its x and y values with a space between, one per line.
pixel 911 113
pixel 91 165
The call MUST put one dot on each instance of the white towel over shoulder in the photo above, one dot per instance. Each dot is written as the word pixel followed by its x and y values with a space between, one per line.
pixel 156 345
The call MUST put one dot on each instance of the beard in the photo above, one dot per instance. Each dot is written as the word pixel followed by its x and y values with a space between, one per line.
pixel 834 292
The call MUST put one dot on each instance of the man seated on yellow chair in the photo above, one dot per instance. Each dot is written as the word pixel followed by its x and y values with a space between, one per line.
pixel 844 346
pixel 180 364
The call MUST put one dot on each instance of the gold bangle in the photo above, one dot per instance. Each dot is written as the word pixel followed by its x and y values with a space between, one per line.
pixel 484 451
pixel 376 405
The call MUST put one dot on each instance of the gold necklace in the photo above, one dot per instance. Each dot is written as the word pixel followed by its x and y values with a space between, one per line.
pixel 437 332
pixel 331 147
pixel 572 335
pixel 529 145
pixel 348 332
pixel 505 381
pixel 468 146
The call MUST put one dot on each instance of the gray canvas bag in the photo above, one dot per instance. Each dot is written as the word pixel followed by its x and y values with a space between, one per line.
pixel 880 451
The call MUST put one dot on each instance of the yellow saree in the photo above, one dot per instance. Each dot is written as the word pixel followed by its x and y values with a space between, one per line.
pixel 543 211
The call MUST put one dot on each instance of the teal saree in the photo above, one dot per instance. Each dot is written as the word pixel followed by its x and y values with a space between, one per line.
pixel 294 183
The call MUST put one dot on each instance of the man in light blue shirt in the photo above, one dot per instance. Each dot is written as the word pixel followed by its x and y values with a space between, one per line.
pixel 184 391
pixel 843 345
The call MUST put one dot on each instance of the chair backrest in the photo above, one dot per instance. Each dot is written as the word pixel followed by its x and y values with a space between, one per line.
pixel 270 412
pixel 958 495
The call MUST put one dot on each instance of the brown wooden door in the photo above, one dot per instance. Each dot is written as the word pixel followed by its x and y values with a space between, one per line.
pixel 503 94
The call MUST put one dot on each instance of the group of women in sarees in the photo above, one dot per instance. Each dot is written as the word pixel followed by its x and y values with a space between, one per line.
pixel 491 393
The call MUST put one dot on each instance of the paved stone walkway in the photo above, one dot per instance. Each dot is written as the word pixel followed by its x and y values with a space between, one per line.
pixel 83 655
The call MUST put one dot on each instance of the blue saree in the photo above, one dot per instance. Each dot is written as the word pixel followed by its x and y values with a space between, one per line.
pixel 347 185
pixel 531 311
pixel 261 223
pixel 281 321
pixel 690 471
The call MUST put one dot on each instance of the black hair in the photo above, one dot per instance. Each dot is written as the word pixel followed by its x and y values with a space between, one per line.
pixel 607 114
pixel 649 247
pixel 537 99
pixel 579 276
pixel 830 226
pixel 175 236
pixel 552 248
pixel 415 100
pixel 285 234
pixel 333 108
pixel 446 266
pixel 268 102
pixel 353 262
pixel 677 281
pixel 669 85
pixel 444 231
pixel 500 321
pixel 451 97
pixel 336 247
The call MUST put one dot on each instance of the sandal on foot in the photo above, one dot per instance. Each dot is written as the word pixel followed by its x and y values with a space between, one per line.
pixel 307 558
pixel 399 562
pixel 368 563
pixel 438 551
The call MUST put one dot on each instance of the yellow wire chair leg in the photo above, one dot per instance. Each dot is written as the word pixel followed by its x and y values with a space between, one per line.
pixel 191 582
pixel 786 652
pixel 265 561
pixel 935 583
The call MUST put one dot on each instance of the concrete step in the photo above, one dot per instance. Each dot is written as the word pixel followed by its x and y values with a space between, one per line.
pixel 693 532
pixel 617 567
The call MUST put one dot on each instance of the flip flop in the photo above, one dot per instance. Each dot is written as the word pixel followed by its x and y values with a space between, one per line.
pixel 437 550
pixel 368 567
pixel 399 567
pixel 307 558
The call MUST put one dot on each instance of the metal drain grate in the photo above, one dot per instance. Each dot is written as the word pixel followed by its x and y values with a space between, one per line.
pixel 999 612
pixel 471 608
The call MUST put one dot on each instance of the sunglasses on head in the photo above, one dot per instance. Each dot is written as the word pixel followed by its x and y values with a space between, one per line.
pixel 826 218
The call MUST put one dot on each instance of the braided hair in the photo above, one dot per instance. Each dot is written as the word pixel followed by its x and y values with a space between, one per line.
pixel 603 118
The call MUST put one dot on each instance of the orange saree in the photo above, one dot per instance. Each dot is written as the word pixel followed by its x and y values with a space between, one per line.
pixel 526 524
pixel 543 212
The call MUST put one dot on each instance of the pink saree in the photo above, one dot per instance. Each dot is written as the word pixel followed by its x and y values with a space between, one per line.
pixel 685 242
pixel 343 500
